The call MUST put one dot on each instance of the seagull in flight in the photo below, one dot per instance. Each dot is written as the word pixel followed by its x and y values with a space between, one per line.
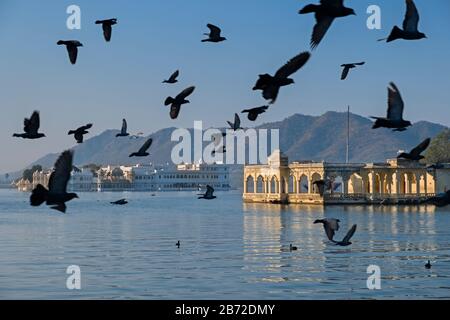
pixel 330 225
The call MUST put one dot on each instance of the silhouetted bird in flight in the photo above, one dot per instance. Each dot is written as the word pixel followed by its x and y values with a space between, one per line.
pixel 325 13
pixel 173 78
pixel 56 196
pixel 237 123
pixel 394 119
pixel 107 27
pixel 330 225
pixel 214 34
pixel 410 25
pixel 178 244
pixel 175 104
pixel 120 202
pixel 346 241
pixel 441 200
pixel 80 132
pixel 415 154
pixel 347 67
pixel 255 112
pixel 31 128
pixel 323 185
pixel 72 48
pixel 123 130
pixel 270 86
pixel 143 150
pixel 209 194
pixel 428 265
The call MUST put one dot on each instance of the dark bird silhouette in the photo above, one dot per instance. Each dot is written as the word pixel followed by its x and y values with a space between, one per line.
pixel 173 78
pixel 123 131
pixel 143 150
pixel 325 13
pixel 222 150
pixel 270 86
pixel 107 27
pixel 31 128
pixel 80 132
pixel 440 200
pixel 346 241
pixel 347 67
pixel 209 194
pixel 56 196
pixel 178 244
pixel 428 265
pixel 120 202
pixel 72 48
pixel 214 34
pixel 410 25
pixel 394 119
pixel 415 154
pixel 255 112
pixel 330 225
pixel 237 123
pixel 180 99
pixel 323 185
pixel 292 248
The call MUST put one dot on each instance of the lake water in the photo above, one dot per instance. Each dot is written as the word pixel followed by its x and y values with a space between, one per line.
pixel 229 250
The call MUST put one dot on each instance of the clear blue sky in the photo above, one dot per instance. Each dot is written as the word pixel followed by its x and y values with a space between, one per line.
pixel 154 38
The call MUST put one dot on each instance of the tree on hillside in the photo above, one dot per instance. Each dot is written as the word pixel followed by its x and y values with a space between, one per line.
pixel 28 173
pixel 439 149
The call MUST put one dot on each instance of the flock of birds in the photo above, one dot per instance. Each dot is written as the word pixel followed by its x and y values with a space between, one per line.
pixel 325 13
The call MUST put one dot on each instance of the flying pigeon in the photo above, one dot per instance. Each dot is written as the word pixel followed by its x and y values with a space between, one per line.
pixel 347 67
pixel 143 150
pixel 346 241
pixel 173 78
pixel 72 48
pixel 410 25
pixel 123 131
pixel 325 13
pixel 237 123
pixel 415 154
pixel 31 128
pixel 56 196
pixel 330 225
pixel 214 35
pixel 394 119
pixel 175 104
pixel 107 27
pixel 255 112
pixel 270 86
pixel 80 132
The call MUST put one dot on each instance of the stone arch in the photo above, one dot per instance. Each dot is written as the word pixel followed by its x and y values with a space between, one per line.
pixel 260 185
pixel 356 184
pixel 274 185
pixel 303 184
pixel 283 186
pixel 292 184
pixel 250 184
pixel 315 177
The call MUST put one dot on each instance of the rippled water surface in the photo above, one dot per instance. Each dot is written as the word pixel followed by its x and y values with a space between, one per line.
pixel 229 250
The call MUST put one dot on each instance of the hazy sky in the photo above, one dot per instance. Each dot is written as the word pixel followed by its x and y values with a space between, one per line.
pixel 156 37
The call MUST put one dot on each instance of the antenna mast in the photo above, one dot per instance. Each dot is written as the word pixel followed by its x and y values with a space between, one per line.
pixel 348 135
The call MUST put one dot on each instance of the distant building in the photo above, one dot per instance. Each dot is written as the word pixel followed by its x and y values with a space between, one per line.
pixel 395 181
